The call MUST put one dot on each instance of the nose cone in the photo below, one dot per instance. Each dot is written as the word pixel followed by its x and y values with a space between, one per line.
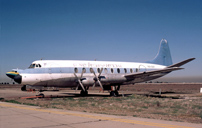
pixel 12 74
pixel 15 76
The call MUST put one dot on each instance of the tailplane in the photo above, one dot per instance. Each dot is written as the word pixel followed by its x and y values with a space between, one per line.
pixel 163 56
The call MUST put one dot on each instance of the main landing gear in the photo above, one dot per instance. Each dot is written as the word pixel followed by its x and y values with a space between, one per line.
pixel 114 91
pixel 84 93
pixel 41 95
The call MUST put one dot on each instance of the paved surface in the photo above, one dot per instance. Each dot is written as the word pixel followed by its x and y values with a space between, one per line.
pixel 22 116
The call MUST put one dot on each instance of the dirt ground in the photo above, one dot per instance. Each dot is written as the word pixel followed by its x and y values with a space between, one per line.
pixel 174 102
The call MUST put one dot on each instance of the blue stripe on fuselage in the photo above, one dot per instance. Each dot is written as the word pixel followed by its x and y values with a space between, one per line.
pixel 71 70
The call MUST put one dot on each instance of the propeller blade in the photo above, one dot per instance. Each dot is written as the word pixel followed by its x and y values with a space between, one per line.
pixel 93 71
pixel 94 85
pixel 75 75
pixel 79 81
pixel 98 78
pixel 100 72
pixel 81 85
pixel 77 88
pixel 100 84
pixel 83 70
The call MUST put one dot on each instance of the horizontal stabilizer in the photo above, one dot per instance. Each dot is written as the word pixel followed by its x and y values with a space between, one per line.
pixel 149 73
pixel 181 63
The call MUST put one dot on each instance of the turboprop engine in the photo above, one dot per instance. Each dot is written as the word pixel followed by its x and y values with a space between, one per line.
pixel 88 81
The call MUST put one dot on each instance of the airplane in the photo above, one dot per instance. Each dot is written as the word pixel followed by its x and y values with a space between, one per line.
pixel 109 75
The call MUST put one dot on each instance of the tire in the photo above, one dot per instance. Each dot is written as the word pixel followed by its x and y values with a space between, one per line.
pixel 114 93
pixel 42 95
pixel 84 93
pixel 23 88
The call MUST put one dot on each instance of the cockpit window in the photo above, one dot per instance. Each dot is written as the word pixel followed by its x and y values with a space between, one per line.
pixel 35 66
pixel 32 66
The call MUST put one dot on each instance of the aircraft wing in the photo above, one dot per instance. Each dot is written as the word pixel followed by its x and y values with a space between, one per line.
pixel 149 73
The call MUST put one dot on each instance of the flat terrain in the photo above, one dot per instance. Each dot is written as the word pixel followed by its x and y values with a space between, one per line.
pixel 172 102
pixel 23 116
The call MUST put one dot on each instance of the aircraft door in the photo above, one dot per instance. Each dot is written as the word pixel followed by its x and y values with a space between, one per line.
pixel 142 68
pixel 55 72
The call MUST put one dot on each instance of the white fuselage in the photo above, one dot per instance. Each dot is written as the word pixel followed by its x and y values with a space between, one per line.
pixel 61 72
pixel 109 75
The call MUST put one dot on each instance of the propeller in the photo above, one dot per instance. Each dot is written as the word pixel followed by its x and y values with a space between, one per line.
pixel 97 78
pixel 79 80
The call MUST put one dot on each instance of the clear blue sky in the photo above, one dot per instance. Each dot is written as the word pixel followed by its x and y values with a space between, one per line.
pixel 111 30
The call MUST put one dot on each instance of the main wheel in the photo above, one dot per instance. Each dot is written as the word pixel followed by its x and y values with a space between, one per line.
pixel 114 93
pixel 84 93
pixel 23 88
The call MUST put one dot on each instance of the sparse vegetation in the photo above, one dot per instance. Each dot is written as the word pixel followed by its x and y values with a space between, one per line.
pixel 188 109
pixel 13 101
pixel 134 105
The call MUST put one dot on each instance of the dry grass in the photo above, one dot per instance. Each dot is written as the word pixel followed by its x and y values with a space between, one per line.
pixel 186 110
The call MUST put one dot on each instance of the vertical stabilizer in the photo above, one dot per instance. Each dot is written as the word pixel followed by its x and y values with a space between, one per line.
pixel 163 56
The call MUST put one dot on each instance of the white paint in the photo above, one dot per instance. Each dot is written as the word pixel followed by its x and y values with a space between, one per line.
pixel 95 64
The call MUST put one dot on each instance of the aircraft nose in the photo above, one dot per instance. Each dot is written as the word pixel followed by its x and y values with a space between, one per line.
pixel 18 79
pixel 15 76
pixel 12 74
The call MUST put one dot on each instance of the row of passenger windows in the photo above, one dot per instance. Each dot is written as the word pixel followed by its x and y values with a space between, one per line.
pixel 106 70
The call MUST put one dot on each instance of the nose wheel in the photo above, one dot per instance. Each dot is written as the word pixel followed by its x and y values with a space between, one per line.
pixel 41 95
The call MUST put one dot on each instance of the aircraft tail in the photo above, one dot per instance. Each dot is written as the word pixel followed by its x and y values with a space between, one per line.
pixel 163 56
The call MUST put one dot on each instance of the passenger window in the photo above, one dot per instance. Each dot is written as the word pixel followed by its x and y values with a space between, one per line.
pixel 125 70
pixel 91 70
pixel 84 70
pixel 112 70
pixel 106 70
pixel 76 70
pixel 131 70
pixel 136 70
pixel 98 70
pixel 39 65
pixel 118 70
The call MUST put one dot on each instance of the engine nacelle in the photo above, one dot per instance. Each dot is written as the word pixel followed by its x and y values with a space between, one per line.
pixel 88 81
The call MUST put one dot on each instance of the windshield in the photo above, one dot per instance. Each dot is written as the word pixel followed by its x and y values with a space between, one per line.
pixel 32 66
pixel 35 66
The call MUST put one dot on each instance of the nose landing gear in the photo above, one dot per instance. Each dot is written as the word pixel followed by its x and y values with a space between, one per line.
pixel 41 95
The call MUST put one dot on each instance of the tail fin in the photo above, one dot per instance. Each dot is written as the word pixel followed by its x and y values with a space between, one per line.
pixel 163 57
